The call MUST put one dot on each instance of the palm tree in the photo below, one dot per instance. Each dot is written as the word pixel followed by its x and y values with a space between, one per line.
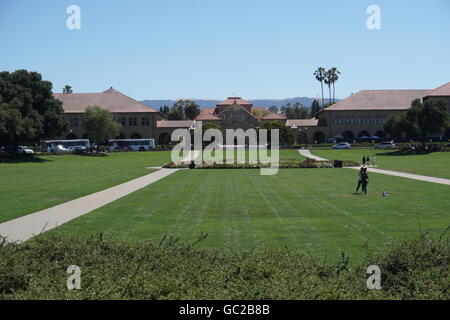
pixel 320 76
pixel 334 77
pixel 329 81
pixel 67 89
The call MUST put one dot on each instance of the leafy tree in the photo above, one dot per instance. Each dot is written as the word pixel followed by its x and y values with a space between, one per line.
pixel 315 108
pixel 191 109
pixel 176 113
pixel 100 125
pixel 320 76
pixel 67 89
pixel 28 110
pixel 273 109
pixel 164 110
pixel 286 134
pixel 425 119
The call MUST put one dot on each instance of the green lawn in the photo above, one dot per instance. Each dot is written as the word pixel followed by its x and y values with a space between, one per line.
pixel 26 187
pixel 307 209
pixel 436 164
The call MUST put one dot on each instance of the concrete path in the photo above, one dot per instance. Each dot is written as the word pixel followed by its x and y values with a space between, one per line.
pixel 192 155
pixel 25 227
pixel 306 153
pixel 408 175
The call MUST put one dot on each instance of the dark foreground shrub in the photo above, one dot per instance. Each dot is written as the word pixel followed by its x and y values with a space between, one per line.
pixel 112 269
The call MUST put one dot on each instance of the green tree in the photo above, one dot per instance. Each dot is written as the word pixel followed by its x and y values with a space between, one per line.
pixel 67 89
pixel 100 125
pixel 286 134
pixel 329 81
pixel 28 110
pixel 320 76
pixel 425 119
pixel 165 110
pixel 315 108
pixel 191 109
pixel 334 77
pixel 176 113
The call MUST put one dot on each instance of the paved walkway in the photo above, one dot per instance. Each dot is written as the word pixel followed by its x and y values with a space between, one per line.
pixel 25 227
pixel 192 155
pixel 306 153
pixel 408 175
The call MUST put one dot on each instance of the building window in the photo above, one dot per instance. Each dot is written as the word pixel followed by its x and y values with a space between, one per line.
pixel 74 122
pixel 132 122
pixel 122 121
pixel 145 121
pixel 350 120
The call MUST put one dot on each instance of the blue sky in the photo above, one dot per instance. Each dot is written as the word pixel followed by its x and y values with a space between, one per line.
pixel 212 49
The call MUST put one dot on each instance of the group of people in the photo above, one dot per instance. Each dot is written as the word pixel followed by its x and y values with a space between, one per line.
pixel 368 159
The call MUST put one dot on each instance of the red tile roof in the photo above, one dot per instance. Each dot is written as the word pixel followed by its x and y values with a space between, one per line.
pixel 174 123
pixel 379 100
pixel 110 99
pixel 302 122
pixel 231 100
pixel 443 90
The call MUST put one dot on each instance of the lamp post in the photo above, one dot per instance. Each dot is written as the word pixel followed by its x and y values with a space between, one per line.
pixel 294 127
pixel 306 136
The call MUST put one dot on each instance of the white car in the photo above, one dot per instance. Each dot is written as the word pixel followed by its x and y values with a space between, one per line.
pixel 385 145
pixel 342 145
pixel 59 148
pixel 24 150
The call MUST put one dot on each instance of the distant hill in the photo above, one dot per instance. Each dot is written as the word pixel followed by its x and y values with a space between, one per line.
pixel 264 103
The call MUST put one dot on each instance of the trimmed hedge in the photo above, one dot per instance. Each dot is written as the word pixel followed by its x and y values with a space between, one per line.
pixel 169 269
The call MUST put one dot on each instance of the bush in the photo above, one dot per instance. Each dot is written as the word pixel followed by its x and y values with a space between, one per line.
pixel 170 269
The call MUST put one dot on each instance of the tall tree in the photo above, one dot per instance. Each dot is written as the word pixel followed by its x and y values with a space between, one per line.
pixel 315 108
pixel 425 118
pixel 164 110
pixel 67 89
pixel 191 109
pixel 286 134
pixel 320 76
pixel 334 78
pixel 28 110
pixel 100 125
pixel 329 81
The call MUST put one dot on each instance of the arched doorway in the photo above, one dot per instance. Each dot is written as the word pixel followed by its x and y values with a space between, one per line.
pixel 319 137
pixel 348 135
pixel 380 134
pixel 136 136
pixel 164 139
pixel 71 136
pixel 364 135
pixel 302 137
pixel 85 136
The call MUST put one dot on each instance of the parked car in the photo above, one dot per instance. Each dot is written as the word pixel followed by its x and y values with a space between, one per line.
pixel 342 145
pixel 59 148
pixel 385 145
pixel 24 150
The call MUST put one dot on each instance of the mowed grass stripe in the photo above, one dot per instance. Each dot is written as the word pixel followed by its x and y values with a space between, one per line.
pixel 28 187
pixel 308 209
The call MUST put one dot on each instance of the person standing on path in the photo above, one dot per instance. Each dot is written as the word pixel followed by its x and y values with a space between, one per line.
pixel 373 161
pixel 364 160
pixel 364 180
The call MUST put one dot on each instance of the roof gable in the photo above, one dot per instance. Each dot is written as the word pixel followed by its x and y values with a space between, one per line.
pixel 443 90
pixel 379 100
pixel 111 100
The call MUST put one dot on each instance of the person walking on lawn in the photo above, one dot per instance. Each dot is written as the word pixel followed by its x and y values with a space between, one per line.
pixel 364 180
pixel 359 179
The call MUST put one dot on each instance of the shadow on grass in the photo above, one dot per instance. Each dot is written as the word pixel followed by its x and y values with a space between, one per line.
pixel 21 158
pixel 405 153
